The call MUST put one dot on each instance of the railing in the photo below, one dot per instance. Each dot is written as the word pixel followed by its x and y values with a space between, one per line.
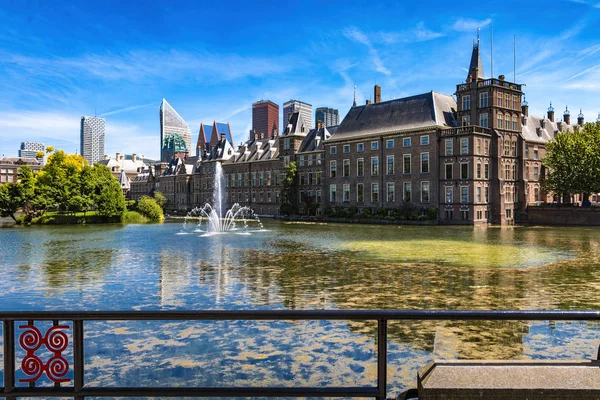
pixel 465 130
pixel 490 82
pixel 56 340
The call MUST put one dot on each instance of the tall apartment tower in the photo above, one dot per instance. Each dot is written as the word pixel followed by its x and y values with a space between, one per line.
pixel 265 120
pixel 92 139
pixel 292 106
pixel 30 149
pixel 328 116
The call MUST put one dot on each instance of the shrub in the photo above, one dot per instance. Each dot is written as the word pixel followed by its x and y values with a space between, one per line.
pixel 340 212
pixel 352 211
pixel 150 209
pixel 328 211
pixel 133 217
pixel 432 213
pixel 366 213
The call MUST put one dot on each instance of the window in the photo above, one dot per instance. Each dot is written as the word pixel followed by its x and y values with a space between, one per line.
pixel 464 215
pixel 464 194
pixel 499 101
pixel 449 150
pixel 389 144
pixel 486 147
pixel 513 148
pixel 478 171
pixel 424 192
pixel 286 144
pixel 374 145
pixel 360 146
pixel 536 171
pixel 486 194
pixel 466 103
pixel 261 178
pixel 515 102
pixel 318 178
pixel 346 171
pixel 448 214
pixel 478 146
pixel 254 179
pixel 424 140
pixel 483 120
pixel 269 197
pixel 310 160
pixel 507 100
pixel 483 100
pixel 332 168
pixel 276 197
pixel 390 165
pixel 406 167
pixel 535 154
pixel 486 171
pixel 332 193
pixel 449 171
pixel 514 123
pixel 319 159
pixel 269 176
pixel 374 192
pixel 319 196
pixel 424 163
pixel 302 179
pixel 346 192
pixel 506 146
pixel 310 178
pixel 333 150
pixel 374 165
pixel 464 146
pixel 360 167
pixel 507 120
pixel 478 194
pixel 479 214
pixel 390 192
pixel 466 120
pixel 536 194
pixel 360 192
pixel 407 192
pixel 346 148
pixel 464 171
pixel 449 194
pixel 500 120
pixel 406 142
pixel 301 162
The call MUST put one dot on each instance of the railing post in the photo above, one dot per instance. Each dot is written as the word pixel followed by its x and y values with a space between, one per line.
pixel 9 357
pixel 78 356
pixel 381 358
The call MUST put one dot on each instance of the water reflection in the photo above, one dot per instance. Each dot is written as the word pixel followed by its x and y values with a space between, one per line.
pixel 304 267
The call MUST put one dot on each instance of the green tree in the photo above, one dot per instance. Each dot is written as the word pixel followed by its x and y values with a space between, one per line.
pixel 108 195
pixel 150 209
pixel 289 190
pixel 10 200
pixel 33 198
pixel 161 200
pixel 573 162
pixel 59 178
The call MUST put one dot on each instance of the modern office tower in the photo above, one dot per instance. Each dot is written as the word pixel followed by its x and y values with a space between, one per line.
pixel 175 134
pixel 92 139
pixel 328 116
pixel 265 120
pixel 29 149
pixel 292 106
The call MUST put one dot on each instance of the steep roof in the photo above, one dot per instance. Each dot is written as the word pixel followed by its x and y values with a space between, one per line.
pixel 420 111
pixel 296 125
pixel 532 130
pixel 315 137
pixel 219 129
pixel 476 63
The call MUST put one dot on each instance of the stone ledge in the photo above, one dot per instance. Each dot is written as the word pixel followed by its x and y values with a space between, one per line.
pixel 495 380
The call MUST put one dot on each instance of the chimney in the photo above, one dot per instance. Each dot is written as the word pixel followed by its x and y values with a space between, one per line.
pixel 134 157
pixel 319 125
pixel 377 94
pixel 118 156
pixel 551 113
pixel 580 118
pixel 222 136
pixel 567 116
pixel 106 156
pixel 368 102
pixel 501 77
pixel 542 124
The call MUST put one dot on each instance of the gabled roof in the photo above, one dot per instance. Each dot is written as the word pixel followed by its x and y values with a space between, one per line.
pixel 123 180
pixel 218 129
pixel 314 140
pixel 421 111
pixel 296 125
pixel 203 133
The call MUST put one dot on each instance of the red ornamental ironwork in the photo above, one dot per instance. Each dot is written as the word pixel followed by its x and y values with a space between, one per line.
pixel 56 341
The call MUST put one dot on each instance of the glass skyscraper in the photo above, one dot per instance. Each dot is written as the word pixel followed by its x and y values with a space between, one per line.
pixel 328 116
pixel 305 109
pixel 175 134
pixel 92 139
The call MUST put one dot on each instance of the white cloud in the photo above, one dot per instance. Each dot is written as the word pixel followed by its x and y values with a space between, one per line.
pixel 125 109
pixel 470 25
pixel 356 35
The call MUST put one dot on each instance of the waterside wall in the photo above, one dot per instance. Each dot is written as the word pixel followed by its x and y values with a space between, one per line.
pixel 564 216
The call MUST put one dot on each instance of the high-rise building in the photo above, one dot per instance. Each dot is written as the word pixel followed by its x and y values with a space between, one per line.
pixel 175 134
pixel 328 116
pixel 92 139
pixel 265 120
pixel 30 149
pixel 292 106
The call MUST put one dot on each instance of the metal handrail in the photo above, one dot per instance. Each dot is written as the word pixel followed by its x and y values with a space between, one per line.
pixel 80 391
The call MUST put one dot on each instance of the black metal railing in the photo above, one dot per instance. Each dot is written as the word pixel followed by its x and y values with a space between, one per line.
pixel 79 390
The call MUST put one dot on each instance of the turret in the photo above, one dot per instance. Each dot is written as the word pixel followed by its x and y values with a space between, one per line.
pixel 567 116
pixel 580 118
pixel 551 113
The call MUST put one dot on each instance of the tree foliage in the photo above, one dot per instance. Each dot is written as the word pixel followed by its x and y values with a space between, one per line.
pixel 66 183
pixel 150 209
pixel 289 190
pixel 160 199
pixel 573 161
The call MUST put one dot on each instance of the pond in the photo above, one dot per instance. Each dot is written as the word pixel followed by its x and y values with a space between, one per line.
pixel 303 266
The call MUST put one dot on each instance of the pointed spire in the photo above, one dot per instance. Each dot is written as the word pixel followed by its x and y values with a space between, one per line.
pixel 476 63
pixel 354 104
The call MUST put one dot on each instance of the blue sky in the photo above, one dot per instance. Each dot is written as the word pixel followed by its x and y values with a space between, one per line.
pixel 62 60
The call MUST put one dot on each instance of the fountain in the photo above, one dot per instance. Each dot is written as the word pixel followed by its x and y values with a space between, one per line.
pixel 219 221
